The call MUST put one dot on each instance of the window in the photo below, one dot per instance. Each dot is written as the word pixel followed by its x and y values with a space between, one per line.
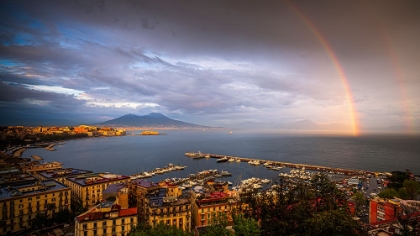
pixel 84 226
pixel 104 223
pixel 94 225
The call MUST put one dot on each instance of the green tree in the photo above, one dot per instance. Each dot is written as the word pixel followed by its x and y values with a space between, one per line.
pixel 360 201
pixel 332 222
pixel 218 226
pixel 389 193
pixel 412 187
pixel 245 226
pixel 39 221
pixel 159 230
pixel 294 207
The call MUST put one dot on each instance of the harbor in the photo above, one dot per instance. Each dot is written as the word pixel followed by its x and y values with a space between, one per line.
pixel 277 165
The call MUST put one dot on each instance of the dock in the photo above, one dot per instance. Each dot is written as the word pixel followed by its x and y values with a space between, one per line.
pixel 50 147
pixel 37 158
pixel 295 165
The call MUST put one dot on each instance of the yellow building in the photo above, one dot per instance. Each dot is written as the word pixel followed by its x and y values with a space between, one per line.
pixel 107 218
pixel 160 203
pixel 210 205
pixel 31 167
pixel 168 210
pixel 60 175
pixel 87 189
pixel 19 203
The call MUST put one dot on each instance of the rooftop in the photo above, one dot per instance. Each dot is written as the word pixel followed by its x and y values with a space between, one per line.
pixel 144 183
pixel 50 174
pixel 96 178
pixel 27 189
pixel 115 211
pixel 113 188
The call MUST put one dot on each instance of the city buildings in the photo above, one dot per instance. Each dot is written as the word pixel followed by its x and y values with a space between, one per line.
pixel 381 209
pixel 21 202
pixel 106 218
pixel 60 175
pixel 87 188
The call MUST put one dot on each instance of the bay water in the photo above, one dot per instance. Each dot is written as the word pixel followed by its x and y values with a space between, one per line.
pixel 132 154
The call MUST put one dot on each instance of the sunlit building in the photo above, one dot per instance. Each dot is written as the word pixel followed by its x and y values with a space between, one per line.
pixel 19 203
pixel 106 218
pixel 87 188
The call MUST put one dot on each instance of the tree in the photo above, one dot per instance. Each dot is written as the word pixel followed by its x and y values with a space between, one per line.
pixel 245 227
pixel 332 222
pixel 159 230
pixel 360 201
pixel 412 187
pixel 39 221
pixel 217 226
pixel 298 207
pixel 389 193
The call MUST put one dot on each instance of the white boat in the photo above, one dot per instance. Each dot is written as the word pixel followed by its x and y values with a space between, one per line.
pixel 223 159
pixel 237 160
pixel 207 156
pixel 265 181
pixel 225 173
pixel 231 160
pixel 256 186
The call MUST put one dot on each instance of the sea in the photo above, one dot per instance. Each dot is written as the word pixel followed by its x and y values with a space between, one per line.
pixel 132 154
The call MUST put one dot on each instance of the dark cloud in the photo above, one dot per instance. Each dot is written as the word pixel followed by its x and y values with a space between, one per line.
pixel 238 60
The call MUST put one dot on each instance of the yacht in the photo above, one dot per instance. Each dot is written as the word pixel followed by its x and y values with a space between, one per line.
pixel 223 159
pixel 225 173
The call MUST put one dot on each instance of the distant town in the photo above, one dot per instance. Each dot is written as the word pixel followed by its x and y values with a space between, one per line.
pixel 46 198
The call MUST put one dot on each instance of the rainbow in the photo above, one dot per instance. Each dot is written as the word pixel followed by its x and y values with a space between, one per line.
pixel 396 68
pixel 335 61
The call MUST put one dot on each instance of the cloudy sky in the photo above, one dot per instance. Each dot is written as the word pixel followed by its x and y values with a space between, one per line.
pixel 218 63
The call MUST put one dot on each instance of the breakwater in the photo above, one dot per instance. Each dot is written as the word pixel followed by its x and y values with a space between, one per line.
pixel 288 164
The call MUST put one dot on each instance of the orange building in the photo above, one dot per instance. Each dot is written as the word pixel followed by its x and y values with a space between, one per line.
pixel 381 209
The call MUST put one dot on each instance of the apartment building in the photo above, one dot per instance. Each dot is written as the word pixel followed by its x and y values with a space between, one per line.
pixel 87 189
pixel 106 218
pixel 20 202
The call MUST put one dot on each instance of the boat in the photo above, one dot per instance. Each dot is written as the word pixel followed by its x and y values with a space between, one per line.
pixel 223 159
pixel 231 160
pixel 237 160
pixel 229 183
pixel 225 173
pixel 207 156
pixel 265 181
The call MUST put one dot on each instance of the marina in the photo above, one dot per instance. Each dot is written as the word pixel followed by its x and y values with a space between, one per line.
pixel 278 165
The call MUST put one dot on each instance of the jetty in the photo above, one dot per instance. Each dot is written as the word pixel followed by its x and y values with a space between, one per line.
pixel 291 165
pixel 50 147
pixel 37 158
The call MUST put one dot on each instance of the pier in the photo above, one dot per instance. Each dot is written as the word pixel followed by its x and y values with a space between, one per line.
pixel 290 165
pixel 50 147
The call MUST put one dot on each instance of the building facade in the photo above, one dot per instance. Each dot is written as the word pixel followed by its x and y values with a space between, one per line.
pixel 106 218
pixel 20 203
pixel 87 189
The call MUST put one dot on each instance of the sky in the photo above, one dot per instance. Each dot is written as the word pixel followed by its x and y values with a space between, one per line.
pixel 215 63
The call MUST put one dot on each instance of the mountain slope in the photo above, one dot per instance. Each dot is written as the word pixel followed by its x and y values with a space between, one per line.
pixel 151 120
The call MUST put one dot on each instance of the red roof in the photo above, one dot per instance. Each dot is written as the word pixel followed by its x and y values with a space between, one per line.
pixel 128 212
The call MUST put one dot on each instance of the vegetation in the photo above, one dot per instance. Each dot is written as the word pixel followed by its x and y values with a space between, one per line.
pixel 159 230
pixel 360 201
pixel 302 208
